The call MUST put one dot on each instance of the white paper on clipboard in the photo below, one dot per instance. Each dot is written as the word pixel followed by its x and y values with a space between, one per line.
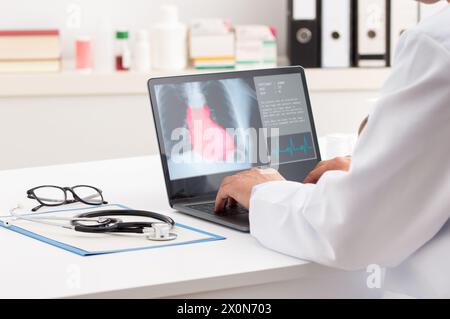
pixel 88 244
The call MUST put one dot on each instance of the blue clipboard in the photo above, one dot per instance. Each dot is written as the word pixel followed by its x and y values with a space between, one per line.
pixel 84 253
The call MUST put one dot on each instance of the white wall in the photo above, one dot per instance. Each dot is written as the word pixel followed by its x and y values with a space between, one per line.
pixel 53 130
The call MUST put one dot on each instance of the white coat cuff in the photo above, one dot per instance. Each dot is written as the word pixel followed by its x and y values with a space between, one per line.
pixel 268 192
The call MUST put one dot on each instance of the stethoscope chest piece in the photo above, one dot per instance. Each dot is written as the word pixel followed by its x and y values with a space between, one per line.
pixel 159 232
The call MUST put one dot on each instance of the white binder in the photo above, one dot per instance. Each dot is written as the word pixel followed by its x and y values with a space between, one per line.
pixel 428 10
pixel 372 33
pixel 336 33
pixel 404 15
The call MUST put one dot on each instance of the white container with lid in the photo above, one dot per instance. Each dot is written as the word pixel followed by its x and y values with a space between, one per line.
pixel 141 52
pixel 169 41
pixel 103 47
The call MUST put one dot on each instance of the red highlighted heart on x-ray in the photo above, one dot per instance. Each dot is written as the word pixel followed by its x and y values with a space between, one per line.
pixel 208 139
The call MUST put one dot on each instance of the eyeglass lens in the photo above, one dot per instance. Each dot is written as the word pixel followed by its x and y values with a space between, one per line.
pixel 50 195
pixel 88 194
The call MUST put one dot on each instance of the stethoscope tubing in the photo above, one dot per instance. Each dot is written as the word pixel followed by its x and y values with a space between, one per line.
pixel 105 224
pixel 117 226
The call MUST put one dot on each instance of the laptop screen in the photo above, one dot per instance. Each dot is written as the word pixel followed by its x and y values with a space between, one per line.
pixel 213 125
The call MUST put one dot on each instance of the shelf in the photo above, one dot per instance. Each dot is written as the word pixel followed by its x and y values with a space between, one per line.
pixel 129 83
pixel 353 79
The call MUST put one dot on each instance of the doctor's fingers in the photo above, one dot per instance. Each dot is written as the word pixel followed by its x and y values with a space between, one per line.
pixel 315 174
pixel 256 172
pixel 231 179
pixel 226 193
pixel 227 189
pixel 320 164
pixel 249 172
pixel 335 164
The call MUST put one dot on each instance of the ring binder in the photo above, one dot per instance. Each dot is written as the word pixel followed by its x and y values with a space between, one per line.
pixel 304 45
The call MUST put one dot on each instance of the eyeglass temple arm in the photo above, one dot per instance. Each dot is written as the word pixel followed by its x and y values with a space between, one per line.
pixel 35 209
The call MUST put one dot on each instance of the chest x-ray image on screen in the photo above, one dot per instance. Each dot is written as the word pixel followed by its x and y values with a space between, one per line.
pixel 190 112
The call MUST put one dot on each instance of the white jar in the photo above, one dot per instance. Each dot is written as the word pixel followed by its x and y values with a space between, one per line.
pixel 141 52
pixel 103 45
pixel 169 41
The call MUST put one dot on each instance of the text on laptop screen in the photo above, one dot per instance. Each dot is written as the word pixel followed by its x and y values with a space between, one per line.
pixel 232 124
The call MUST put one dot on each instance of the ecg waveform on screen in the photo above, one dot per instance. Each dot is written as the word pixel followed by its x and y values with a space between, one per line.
pixel 291 149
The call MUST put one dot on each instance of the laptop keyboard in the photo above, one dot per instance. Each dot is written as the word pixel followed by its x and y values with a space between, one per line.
pixel 228 211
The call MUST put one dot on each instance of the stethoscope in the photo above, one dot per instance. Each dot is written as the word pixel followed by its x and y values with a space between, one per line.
pixel 106 221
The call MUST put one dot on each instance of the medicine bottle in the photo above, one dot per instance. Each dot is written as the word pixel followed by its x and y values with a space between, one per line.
pixel 141 52
pixel 169 41
pixel 123 52
pixel 83 59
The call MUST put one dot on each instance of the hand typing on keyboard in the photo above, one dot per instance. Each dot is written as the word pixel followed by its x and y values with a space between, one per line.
pixel 238 188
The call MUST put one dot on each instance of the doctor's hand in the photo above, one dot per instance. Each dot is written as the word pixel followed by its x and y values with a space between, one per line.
pixel 335 164
pixel 238 188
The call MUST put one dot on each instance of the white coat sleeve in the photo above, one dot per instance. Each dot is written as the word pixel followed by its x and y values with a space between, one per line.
pixel 396 195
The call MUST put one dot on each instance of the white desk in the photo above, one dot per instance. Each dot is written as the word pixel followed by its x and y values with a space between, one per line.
pixel 238 267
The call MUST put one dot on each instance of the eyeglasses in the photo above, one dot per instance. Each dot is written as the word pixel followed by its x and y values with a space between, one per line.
pixel 49 195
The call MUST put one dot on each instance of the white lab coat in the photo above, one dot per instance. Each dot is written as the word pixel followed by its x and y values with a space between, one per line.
pixel 396 196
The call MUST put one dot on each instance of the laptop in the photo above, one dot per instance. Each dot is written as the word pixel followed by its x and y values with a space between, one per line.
pixel 213 125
